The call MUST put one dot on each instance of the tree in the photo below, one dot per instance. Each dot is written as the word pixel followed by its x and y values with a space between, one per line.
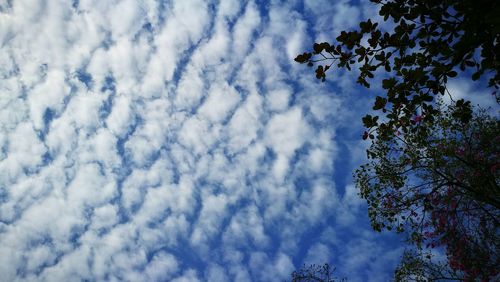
pixel 431 41
pixel 433 170
pixel 418 266
pixel 315 273
pixel 441 188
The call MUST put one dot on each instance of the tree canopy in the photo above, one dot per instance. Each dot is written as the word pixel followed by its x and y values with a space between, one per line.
pixel 442 190
pixel 419 266
pixel 431 41
pixel 433 168
pixel 315 273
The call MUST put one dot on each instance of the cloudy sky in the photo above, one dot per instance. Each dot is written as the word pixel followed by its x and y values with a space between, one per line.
pixel 177 140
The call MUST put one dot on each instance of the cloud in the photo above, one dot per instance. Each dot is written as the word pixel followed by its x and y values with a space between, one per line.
pixel 154 141
pixel 285 133
pixel 465 89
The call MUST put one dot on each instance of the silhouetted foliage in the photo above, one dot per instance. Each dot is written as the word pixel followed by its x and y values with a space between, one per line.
pixel 315 273
pixel 433 170
pixel 432 40
pixel 441 188
pixel 419 266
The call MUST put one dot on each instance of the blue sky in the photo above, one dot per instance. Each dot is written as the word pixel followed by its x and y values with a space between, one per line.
pixel 178 141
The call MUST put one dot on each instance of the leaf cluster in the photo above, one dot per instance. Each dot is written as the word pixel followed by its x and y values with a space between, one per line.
pixel 431 41
pixel 419 266
pixel 315 273
pixel 440 185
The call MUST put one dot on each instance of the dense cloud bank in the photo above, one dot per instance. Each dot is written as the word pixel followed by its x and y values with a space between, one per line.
pixel 157 140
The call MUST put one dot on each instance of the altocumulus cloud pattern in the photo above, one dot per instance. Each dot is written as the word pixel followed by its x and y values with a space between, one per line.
pixel 177 141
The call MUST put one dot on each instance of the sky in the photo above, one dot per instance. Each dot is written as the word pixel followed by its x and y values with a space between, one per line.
pixel 177 140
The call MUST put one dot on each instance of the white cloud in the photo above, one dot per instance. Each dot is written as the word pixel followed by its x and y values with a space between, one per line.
pixel 105 216
pixel 47 95
pixel 318 254
pixel 166 141
pixel 216 274
pixel 161 267
pixel 246 228
pixel 185 25
pixel 220 102
pixel 349 208
pixel 198 135
pixel 245 26
pixel 124 16
pixel 191 89
pixel 120 118
pixel 188 276
pixel 212 214
pixel 269 269
pixel 278 99
pixel 287 132
pixel 465 89
pixel 24 153
pixel 245 123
